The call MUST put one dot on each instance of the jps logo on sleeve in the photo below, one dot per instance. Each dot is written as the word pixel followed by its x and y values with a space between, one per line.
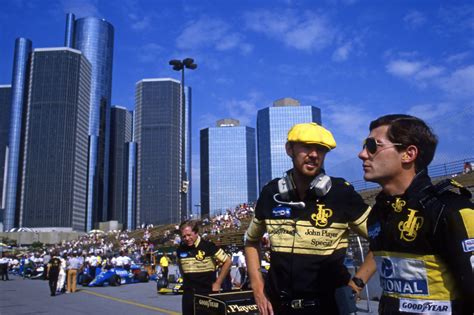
pixel 425 306
pixel 402 276
pixel 410 227
pixel 321 217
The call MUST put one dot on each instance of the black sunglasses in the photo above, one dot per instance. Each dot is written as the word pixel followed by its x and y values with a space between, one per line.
pixel 371 144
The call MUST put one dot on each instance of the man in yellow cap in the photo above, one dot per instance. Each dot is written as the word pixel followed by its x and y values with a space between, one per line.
pixel 307 216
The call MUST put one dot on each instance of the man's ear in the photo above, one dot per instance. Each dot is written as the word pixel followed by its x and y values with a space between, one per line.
pixel 410 154
pixel 289 149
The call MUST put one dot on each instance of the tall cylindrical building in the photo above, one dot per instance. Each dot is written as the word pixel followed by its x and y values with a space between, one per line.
pixel 94 37
pixel 19 91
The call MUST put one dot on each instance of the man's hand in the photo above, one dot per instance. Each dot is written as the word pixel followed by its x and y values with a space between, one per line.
pixel 216 287
pixel 264 305
pixel 355 288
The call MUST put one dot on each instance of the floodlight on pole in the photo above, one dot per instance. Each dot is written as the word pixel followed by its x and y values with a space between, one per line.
pixel 180 65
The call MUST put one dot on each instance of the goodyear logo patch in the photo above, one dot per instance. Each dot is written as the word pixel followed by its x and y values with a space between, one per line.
pixel 468 245
pixel 281 212
pixel 402 276
pixel 425 306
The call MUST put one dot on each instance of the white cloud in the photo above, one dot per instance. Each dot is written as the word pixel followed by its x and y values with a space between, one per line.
pixel 460 83
pixel 342 52
pixel 215 33
pixel 430 112
pixel 243 110
pixel 419 73
pixel 458 57
pixel 81 8
pixel 308 32
pixel 414 19
pixel 139 23
pixel 403 68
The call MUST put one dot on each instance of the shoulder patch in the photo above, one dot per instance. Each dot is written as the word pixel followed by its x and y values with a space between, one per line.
pixel 468 245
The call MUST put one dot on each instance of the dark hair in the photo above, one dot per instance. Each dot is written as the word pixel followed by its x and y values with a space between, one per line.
pixel 194 225
pixel 409 130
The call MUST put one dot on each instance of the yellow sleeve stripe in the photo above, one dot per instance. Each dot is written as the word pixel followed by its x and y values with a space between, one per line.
pixel 467 216
pixel 255 230
pixel 220 256
pixel 363 217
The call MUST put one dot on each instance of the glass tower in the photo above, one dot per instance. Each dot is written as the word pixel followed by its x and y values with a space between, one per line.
pixel 5 104
pixel 228 167
pixel 18 94
pixel 273 124
pixel 120 136
pixel 95 38
pixel 131 186
pixel 54 175
pixel 158 137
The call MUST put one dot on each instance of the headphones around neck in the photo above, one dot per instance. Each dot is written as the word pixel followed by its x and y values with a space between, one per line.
pixel 319 187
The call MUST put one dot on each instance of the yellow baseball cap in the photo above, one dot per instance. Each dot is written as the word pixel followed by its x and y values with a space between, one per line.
pixel 312 133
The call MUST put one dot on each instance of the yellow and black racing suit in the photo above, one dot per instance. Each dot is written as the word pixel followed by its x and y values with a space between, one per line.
pixel 198 264
pixel 308 245
pixel 423 243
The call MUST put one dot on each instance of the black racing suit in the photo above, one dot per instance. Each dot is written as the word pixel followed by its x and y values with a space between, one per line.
pixel 53 274
pixel 423 243
pixel 308 246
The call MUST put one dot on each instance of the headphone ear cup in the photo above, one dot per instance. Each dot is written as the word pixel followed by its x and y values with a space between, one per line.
pixel 286 188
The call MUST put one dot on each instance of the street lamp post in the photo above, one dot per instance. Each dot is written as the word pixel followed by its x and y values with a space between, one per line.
pixel 180 65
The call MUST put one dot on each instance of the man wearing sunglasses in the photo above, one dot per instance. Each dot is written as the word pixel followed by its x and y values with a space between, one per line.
pixel 421 235
pixel 307 216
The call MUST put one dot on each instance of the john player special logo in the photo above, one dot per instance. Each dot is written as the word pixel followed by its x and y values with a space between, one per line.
pixel 410 227
pixel 321 217
pixel 200 255
pixel 398 205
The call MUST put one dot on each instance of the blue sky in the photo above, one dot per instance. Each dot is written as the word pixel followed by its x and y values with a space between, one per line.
pixel 356 60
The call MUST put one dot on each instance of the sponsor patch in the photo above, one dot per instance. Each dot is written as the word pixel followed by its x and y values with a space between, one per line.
pixel 468 245
pixel 425 306
pixel 183 255
pixel 281 212
pixel 402 276
pixel 374 230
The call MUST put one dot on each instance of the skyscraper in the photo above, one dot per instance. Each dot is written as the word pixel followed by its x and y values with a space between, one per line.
pixel 95 38
pixel 273 124
pixel 20 76
pixel 158 134
pixel 54 174
pixel 120 137
pixel 228 167
pixel 5 104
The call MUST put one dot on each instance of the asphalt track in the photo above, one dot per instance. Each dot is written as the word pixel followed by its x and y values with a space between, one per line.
pixel 20 296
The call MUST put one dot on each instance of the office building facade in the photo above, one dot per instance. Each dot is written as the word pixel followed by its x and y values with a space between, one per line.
pixel 5 105
pixel 228 167
pixel 158 135
pixel 54 173
pixel 94 37
pixel 120 137
pixel 273 124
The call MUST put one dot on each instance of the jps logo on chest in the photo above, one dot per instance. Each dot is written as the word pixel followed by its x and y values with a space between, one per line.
pixel 410 227
pixel 398 205
pixel 320 218
pixel 200 255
